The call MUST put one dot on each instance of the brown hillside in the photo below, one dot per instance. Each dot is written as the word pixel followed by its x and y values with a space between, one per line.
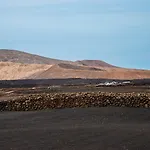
pixel 21 65
pixel 94 63
pixel 78 67
pixel 59 72
pixel 11 71
pixel 26 58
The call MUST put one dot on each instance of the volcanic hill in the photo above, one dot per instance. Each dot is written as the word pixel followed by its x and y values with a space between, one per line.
pixel 21 65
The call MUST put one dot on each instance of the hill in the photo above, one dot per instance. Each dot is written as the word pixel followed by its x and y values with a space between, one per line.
pixel 26 58
pixel 12 71
pixel 20 65
pixel 57 71
pixel 94 63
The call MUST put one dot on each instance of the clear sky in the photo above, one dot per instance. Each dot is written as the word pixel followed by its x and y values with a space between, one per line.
pixel 116 31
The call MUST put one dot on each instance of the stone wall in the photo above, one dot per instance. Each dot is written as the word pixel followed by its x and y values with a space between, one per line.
pixel 72 100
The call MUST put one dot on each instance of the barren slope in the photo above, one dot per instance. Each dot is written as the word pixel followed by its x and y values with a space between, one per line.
pixel 10 71
pixel 36 67
pixel 26 58
pixel 94 63
pixel 57 71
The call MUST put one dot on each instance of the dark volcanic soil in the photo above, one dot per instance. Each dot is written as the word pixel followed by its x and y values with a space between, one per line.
pixel 69 81
pixel 106 128
pixel 11 93
pixel 85 129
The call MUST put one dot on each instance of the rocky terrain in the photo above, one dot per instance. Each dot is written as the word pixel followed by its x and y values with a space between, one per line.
pixel 87 84
pixel 20 65
pixel 71 100
pixel 30 97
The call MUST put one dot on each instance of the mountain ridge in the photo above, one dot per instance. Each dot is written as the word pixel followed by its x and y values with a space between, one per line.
pixel 16 65
pixel 17 56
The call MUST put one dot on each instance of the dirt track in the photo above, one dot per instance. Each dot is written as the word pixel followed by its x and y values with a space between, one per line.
pixel 86 129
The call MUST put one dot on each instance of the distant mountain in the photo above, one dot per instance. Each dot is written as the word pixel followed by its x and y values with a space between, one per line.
pixel 20 65
pixel 59 71
pixel 94 63
pixel 26 58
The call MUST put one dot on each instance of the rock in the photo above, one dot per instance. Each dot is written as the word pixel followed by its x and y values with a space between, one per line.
pixel 70 100
pixel 146 106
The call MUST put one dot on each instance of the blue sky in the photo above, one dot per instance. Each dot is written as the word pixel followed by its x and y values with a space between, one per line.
pixel 116 31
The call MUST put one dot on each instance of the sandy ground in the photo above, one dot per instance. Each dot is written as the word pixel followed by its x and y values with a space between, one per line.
pixel 11 71
pixel 85 129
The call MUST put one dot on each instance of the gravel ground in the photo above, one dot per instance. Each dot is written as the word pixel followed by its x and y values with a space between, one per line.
pixel 74 129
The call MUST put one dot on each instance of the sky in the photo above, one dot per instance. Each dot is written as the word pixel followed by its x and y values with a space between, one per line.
pixel 115 31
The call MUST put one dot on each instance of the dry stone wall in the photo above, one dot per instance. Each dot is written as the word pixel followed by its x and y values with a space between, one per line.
pixel 72 100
